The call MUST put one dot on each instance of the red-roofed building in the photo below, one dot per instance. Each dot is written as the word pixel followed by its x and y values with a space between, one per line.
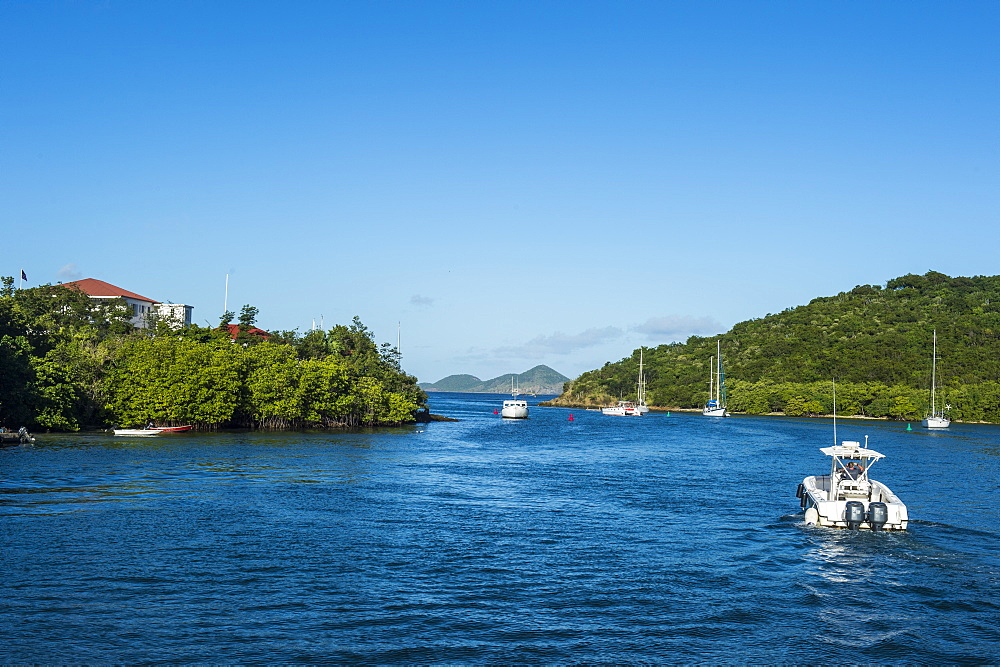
pixel 140 306
pixel 234 331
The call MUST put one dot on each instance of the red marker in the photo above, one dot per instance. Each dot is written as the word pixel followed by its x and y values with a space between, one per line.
pixel 571 416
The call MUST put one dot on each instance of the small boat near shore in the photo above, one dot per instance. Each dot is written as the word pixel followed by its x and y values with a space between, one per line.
pixel 847 497
pixel 151 430
pixel 19 437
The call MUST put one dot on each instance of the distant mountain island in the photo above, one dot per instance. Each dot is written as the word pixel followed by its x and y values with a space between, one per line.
pixel 539 380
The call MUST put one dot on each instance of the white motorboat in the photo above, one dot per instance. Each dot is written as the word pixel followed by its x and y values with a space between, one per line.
pixel 847 497
pixel 136 431
pixel 716 406
pixel 514 407
pixel 151 430
pixel 937 418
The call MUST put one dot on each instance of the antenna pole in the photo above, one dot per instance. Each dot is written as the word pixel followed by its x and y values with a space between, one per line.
pixel 834 412
pixel 225 302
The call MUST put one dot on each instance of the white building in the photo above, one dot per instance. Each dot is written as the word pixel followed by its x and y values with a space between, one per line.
pixel 176 314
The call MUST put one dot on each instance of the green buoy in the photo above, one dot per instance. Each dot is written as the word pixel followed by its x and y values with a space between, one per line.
pixel 908 428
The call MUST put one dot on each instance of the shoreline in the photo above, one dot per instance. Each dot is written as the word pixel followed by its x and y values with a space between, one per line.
pixel 657 408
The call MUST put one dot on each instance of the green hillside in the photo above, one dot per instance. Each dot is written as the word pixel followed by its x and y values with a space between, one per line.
pixel 538 380
pixel 875 341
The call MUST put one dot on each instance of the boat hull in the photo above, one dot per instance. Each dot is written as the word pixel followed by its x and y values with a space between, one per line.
pixel 936 422
pixel 158 430
pixel 715 412
pixel 814 494
pixel 514 410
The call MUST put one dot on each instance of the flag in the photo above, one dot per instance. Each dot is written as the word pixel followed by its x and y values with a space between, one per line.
pixel 23 277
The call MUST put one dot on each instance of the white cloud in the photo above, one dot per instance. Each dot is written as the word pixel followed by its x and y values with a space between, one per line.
pixel 418 300
pixel 677 327
pixel 559 343
pixel 68 273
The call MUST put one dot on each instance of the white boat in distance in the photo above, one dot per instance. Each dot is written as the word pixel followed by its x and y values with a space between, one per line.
pixel 640 403
pixel 716 406
pixel 847 497
pixel 936 419
pixel 514 407
pixel 635 408
pixel 151 430
pixel 623 409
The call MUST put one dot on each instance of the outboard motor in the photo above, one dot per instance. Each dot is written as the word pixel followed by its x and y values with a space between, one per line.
pixel 854 514
pixel 878 514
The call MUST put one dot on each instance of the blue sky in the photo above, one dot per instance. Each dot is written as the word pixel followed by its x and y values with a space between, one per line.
pixel 504 183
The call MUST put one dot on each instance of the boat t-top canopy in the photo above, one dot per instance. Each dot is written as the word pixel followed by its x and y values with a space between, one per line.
pixel 851 449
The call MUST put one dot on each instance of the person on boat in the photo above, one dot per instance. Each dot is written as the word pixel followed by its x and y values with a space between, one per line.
pixel 149 426
pixel 853 470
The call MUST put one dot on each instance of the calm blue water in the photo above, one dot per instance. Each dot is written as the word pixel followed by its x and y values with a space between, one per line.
pixel 655 539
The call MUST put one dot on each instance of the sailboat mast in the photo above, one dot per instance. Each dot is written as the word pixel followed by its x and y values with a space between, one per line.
pixel 718 383
pixel 835 411
pixel 641 391
pixel 711 378
pixel 934 374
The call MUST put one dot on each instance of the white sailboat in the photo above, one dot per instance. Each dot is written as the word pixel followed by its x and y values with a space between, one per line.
pixel 635 408
pixel 640 403
pixel 514 407
pixel 937 418
pixel 716 406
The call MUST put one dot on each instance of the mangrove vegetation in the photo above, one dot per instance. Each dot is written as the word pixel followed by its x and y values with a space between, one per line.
pixel 68 362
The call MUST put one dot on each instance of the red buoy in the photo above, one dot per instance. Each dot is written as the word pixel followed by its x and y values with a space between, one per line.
pixel 571 416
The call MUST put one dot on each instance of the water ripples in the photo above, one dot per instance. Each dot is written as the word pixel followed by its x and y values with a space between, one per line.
pixel 665 539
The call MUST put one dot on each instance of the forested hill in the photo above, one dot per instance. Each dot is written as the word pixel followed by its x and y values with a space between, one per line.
pixel 875 341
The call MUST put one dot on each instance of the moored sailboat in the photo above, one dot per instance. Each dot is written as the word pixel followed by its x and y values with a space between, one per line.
pixel 716 406
pixel 635 408
pixel 640 403
pixel 937 418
